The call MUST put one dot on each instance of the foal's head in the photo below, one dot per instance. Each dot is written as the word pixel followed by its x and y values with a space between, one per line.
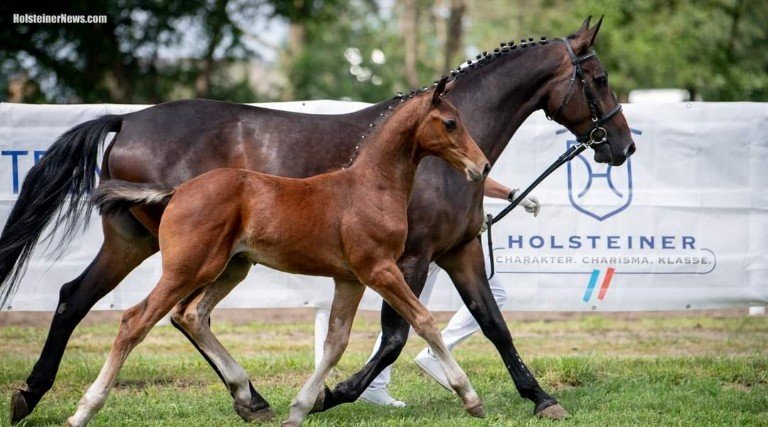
pixel 441 133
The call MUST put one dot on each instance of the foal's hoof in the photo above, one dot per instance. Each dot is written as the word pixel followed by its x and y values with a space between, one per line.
pixel 553 412
pixel 477 411
pixel 19 407
pixel 250 415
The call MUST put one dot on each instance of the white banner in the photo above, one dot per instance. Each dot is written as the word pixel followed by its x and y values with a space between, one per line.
pixel 682 225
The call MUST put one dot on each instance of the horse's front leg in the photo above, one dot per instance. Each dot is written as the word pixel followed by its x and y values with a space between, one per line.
pixel 466 267
pixel 394 335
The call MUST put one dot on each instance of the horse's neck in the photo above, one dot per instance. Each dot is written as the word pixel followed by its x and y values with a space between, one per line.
pixel 496 98
pixel 388 158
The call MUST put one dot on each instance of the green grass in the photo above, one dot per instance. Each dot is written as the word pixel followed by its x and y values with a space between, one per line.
pixel 606 370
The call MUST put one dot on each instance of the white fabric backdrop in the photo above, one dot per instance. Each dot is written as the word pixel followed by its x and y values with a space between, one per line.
pixel 682 225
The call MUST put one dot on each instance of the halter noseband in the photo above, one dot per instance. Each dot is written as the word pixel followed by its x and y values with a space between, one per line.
pixel 596 134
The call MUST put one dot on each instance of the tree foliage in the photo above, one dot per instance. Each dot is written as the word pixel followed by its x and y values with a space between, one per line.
pixel 713 48
pixel 151 51
pixel 122 60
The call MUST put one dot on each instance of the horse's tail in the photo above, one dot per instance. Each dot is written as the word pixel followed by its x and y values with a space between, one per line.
pixel 65 174
pixel 113 196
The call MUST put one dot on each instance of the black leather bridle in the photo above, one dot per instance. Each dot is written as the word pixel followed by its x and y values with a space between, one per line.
pixel 596 134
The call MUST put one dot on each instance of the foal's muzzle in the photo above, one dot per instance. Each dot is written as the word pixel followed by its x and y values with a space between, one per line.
pixel 476 174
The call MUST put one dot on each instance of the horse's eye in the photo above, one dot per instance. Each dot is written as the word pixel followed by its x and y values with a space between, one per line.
pixel 449 124
pixel 601 80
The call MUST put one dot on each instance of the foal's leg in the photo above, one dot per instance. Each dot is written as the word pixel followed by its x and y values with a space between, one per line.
pixel 192 318
pixel 126 245
pixel 394 335
pixel 466 267
pixel 134 326
pixel 346 298
pixel 194 254
pixel 386 279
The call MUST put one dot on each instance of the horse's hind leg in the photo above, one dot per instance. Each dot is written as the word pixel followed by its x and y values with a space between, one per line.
pixel 346 298
pixel 387 280
pixel 123 249
pixel 192 318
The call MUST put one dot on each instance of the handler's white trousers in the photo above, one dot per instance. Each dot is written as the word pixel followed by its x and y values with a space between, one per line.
pixel 461 326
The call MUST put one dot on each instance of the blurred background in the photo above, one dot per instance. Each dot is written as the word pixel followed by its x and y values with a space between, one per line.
pixel 271 50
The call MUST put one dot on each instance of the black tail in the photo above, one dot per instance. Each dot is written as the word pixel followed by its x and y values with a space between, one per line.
pixel 65 174
pixel 113 195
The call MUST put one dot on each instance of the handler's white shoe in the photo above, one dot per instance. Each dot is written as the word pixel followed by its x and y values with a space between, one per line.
pixel 380 396
pixel 429 364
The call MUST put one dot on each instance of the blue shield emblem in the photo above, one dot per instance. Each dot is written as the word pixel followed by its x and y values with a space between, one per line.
pixel 596 189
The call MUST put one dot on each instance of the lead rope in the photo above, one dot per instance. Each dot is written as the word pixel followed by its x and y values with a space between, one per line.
pixel 564 158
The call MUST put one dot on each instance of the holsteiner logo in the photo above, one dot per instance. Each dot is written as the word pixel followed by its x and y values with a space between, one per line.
pixel 599 191
pixel 602 192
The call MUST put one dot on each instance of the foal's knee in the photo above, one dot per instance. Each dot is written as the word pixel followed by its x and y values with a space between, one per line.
pixel 425 327
pixel 132 325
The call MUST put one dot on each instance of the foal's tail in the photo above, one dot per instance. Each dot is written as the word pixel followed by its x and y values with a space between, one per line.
pixel 54 191
pixel 114 196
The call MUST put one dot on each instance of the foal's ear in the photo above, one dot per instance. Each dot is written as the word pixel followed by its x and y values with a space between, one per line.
pixel 440 89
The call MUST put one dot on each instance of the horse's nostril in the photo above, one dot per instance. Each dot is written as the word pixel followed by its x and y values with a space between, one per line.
pixel 630 150
pixel 486 170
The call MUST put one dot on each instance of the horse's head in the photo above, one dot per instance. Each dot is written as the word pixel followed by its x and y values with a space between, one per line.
pixel 581 100
pixel 441 132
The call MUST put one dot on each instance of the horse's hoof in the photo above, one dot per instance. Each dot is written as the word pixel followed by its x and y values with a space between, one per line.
pixel 553 412
pixel 19 407
pixel 477 411
pixel 287 423
pixel 249 415
pixel 318 406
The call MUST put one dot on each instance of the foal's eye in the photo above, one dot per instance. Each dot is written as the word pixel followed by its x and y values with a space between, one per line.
pixel 449 124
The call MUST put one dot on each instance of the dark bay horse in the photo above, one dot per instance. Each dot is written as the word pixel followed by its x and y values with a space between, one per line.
pixel 174 142
pixel 349 224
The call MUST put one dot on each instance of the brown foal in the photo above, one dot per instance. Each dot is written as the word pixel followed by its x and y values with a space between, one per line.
pixel 348 224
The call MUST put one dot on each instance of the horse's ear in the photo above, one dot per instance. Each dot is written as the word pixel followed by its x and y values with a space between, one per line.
pixel 593 31
pixel 584 26
pixel 584 38
pixel 439 90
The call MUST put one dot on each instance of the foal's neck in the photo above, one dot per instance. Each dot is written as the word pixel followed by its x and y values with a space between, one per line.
pixel 389 156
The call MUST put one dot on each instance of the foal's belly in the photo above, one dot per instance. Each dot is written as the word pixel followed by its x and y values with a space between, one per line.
pixel 309 260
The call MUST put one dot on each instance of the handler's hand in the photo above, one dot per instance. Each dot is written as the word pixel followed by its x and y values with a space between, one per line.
pixel 530 204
